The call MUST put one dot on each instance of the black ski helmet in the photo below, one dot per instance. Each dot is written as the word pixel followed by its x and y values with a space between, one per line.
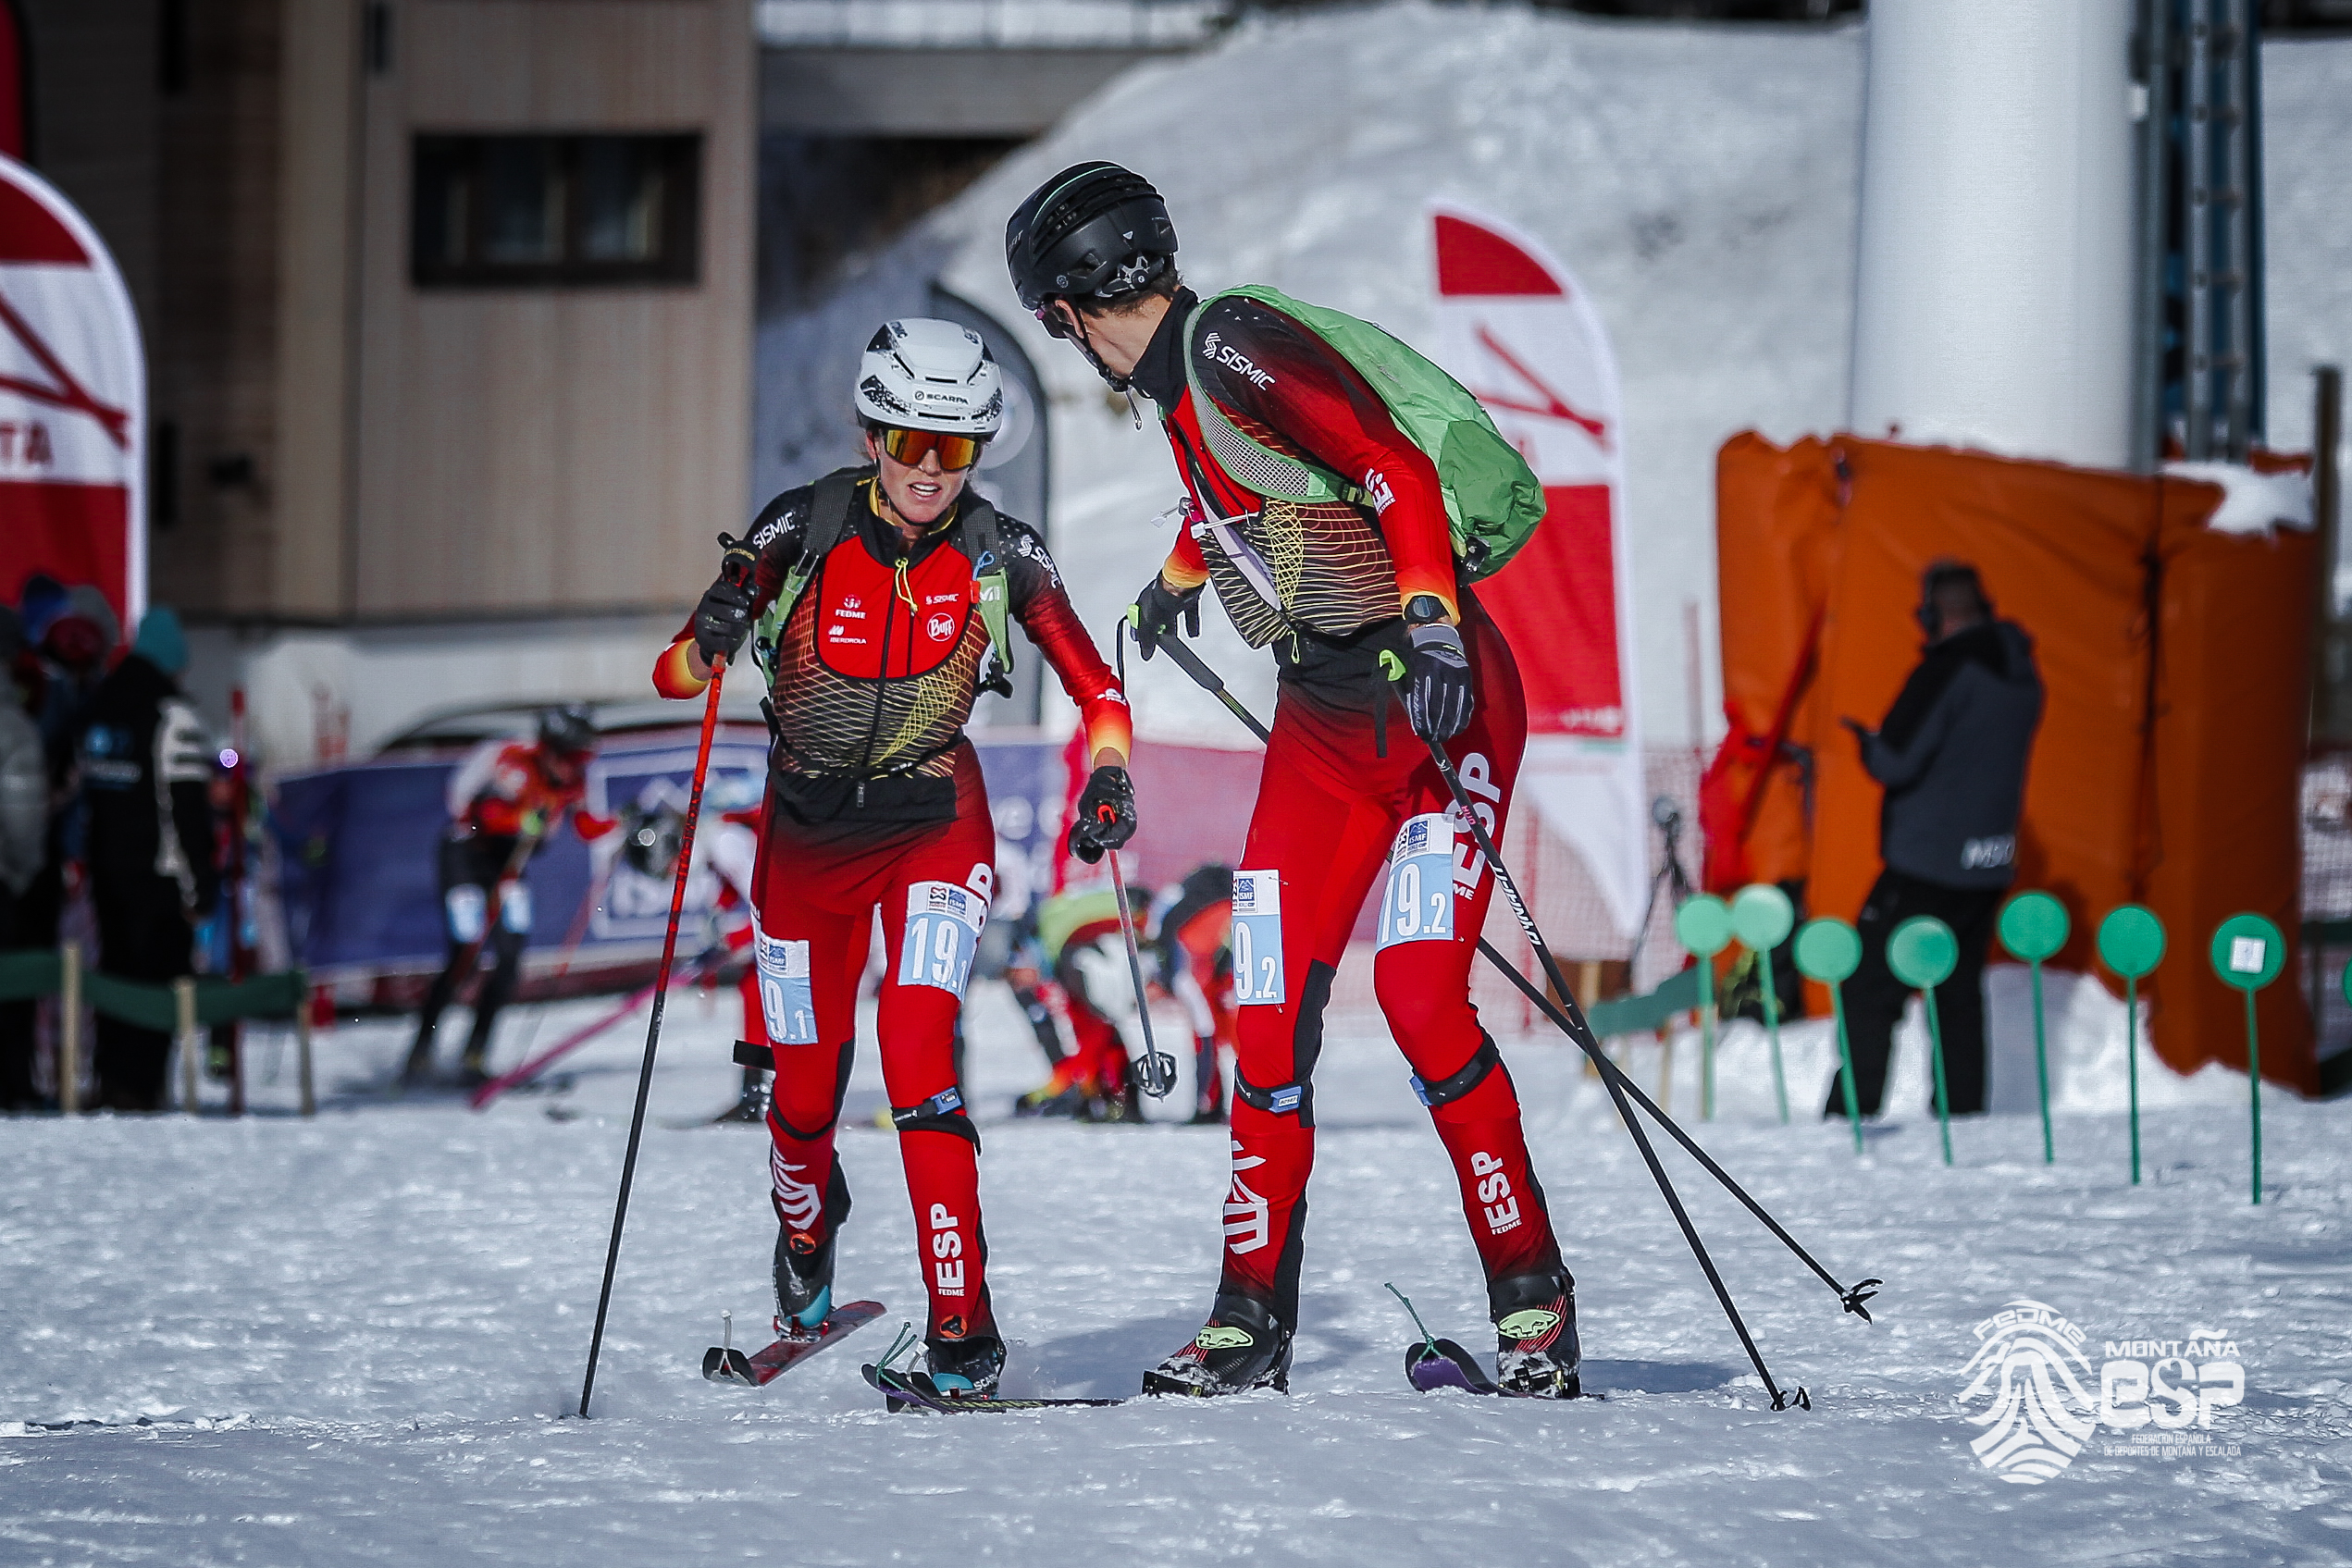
pixel 569 730
pixel 1093 232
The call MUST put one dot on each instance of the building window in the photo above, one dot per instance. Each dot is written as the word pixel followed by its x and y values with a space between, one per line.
pixel 577 210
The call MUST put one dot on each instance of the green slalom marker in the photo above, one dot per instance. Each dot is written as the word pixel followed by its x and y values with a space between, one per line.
pixel 1703 927
pixel 2131 940
pixel 2249 952
pixel 1761 918
pixel 1922 953
pixel 2034 926
pixel 1828 950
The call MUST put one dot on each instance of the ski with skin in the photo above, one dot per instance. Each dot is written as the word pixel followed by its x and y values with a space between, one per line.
pixel 914 1391
pixel 725 1363
pixel 1431 1363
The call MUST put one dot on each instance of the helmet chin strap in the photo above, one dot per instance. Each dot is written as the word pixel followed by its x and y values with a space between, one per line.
pixel 1086 346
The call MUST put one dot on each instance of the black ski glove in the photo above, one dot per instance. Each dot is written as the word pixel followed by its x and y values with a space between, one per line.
pixel 723 618
pixel 1106 814
pixel 1156 611
pixel 1438 696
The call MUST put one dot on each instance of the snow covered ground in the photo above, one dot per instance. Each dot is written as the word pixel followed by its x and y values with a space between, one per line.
pixel 359 1335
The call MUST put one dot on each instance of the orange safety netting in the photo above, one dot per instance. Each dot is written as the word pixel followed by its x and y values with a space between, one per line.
pixel 2167 767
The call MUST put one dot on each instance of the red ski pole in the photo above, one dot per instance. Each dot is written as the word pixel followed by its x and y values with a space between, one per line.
pixel 737 565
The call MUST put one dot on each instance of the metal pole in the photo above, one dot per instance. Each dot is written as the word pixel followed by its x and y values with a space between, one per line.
pixel 69 1028
pixel 302 1045
pixel 2328 672
pixel 183 1001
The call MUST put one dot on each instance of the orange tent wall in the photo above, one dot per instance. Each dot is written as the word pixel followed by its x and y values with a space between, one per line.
pixel 2226 781
pixel 1779 536
pixel 2172 782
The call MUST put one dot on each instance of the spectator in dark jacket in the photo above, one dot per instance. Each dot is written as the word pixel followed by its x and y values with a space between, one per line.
pixel 146 766
pixel 1952 757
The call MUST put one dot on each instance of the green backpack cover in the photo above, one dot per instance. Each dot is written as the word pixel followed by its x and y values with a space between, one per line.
pixel 1492 500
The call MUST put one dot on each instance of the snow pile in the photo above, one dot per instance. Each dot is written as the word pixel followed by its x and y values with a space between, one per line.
pixel 358 1336
pixel 2251 502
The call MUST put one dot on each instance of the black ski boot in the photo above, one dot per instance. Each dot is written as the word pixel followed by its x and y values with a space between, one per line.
pixel 966 1369
pixel 1536 1354
pixel 1241 1348
pixel 804 1282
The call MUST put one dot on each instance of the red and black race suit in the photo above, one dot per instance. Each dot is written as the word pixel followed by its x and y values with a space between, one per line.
pixel 877 669
pixel 1339 782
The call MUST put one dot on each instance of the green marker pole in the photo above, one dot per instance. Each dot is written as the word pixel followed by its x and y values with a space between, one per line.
pixel 2041 1066
pixel 1707 1038
pixel 2034 926
pixel 2132 942
pixel 1772 1027
pixel 1703 927
pixel 1936 1055
pixel 2254 1088
pixel 1922 952
pixel 1761 918
pixel 2248 952
pixel 1846 1062
pixel 1828 950
pixel 2131 1060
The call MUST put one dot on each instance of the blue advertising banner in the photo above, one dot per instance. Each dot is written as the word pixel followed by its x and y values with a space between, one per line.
pixel 357 848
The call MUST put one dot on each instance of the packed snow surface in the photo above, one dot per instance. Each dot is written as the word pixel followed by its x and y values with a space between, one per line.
pixel 358 1338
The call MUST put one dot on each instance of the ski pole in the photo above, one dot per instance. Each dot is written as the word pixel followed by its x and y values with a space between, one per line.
pixel 1503 880
pixel 1157 1067
pixel 737 566
pixel 1572 1025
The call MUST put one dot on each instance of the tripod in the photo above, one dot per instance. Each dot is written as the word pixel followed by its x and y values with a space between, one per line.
pixel 1670 876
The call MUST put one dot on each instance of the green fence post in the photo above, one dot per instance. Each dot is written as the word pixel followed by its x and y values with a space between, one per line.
pixel 2249 952
pixel 1761 918
pixel 2034 926
pixel 1922 953
pixel 2132 942
pixel 1703 927
pixel 1828 950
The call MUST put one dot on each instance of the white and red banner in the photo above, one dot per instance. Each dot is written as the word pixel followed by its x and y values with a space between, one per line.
pixel 73 404
pixel 1514 329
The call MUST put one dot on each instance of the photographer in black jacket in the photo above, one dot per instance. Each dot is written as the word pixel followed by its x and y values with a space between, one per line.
pixel 1950 755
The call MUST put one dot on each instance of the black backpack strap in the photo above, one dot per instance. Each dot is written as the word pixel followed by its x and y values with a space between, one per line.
pixel 983 544
pixel 829 510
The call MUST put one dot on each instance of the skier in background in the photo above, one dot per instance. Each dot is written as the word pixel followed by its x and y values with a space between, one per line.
pixel 505 801
pixel 1192 934
pixel 1952 757
pixel 1078 940
pixel 1344 593
pixel 876 590
pixel 146 771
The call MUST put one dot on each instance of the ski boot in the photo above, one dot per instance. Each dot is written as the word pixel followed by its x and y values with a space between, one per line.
pixel 1241 1348
pixel 966 1369
pixel 1067 1101
pixel 1536 1355
pixel 804 1282
pixel 473 1069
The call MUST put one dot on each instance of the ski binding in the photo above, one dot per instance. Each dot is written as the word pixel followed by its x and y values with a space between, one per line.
pixel 725 1363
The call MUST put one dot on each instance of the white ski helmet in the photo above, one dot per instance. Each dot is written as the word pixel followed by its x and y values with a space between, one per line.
pixel 924 374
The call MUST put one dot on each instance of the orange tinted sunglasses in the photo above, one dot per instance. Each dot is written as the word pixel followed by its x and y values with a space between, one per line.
pixel 910 447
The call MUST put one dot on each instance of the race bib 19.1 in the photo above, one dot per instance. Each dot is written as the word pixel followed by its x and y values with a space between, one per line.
pixel 786 999
pixel 943 930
